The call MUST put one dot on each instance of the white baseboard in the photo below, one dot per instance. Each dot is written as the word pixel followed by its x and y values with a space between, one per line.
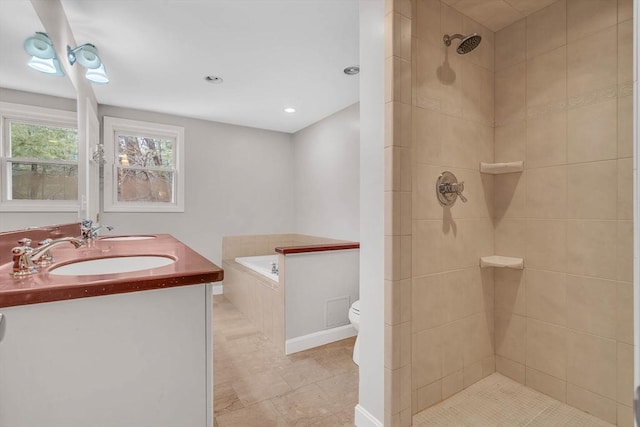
pixel 217 288
pixel 363 418
pixel 316 339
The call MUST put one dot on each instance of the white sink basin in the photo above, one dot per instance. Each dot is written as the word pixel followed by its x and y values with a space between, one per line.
pixel 111 265
pixel 126 238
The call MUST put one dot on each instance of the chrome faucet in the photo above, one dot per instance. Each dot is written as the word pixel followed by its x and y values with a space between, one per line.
pixel 26 259
pixel 90 231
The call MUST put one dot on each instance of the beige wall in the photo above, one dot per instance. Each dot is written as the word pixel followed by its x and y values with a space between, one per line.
pixel 554 90
pixel 564 106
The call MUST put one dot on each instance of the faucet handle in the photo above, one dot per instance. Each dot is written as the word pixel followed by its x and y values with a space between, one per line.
pixel 46 258
pixel 26 242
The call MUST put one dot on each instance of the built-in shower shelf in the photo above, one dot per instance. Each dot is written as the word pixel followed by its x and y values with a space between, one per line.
pixel 501 262
pixel 498 168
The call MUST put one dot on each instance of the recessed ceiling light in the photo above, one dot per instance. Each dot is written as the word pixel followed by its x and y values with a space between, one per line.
pixel 213 79
pixel 289 110
pixel 352 70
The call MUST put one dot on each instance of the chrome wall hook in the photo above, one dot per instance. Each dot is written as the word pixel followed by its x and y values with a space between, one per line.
pixel 448 189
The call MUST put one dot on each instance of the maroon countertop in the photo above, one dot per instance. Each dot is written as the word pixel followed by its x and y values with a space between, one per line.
pixel 286 250
pixel 190 268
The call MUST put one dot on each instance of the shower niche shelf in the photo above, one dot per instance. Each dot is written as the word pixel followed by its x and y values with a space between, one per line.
pixel 501 262
pixel 499 168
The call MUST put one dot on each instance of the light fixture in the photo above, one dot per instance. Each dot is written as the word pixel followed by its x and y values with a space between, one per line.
pixel 289 110
pixel 43 55
pixel 87 56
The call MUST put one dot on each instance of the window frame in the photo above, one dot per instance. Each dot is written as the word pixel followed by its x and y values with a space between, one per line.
pixel 114 126
pixel 9 113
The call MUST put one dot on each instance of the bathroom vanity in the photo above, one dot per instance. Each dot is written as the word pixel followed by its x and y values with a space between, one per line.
pixel 111 349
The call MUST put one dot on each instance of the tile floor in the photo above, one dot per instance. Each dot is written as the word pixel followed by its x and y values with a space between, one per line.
pixel 497 401
pixel 257 385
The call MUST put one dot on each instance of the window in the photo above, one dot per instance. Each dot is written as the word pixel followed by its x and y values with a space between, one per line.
pixel 38 159
pixel 144 170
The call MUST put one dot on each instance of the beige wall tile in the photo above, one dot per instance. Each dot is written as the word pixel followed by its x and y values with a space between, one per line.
pixel 510 94
pixel 477 93
pixel 592 403
pixel 592 248
pixel 427 302
pixel 457 295
pixel 546 192
pixel 479 337
pixel 488 366
pixel 586 17
pixel 625 374
pixel 453 336
pixel 427 247
pixel 404 7
pixel 624 254
pixel 392 254
pixel 592 305
pixel 546 244
pixel 591 132
pixel 547 348
pixel 426 361
pixel 508 237
pixel 546 384
pixel 510 336
pixel 509 195
pixel 472 374
pixel 398 116
pixel 405 300
pixel 427 21
pixel 625 51
pixel 625 188
pixel 425 204
pixel 510 141
pixel 406 258
pixel 586 71
pixel 510 45
pixel 625 312
pixel 428 57
pixel 511 369
pixel 451 384
pixel 401 36
pixel 589 190
pixel 547 29
pixel 392 301
pixel 547 140
pixel 593 363
pixel 510 295
pixel 547 77
pixel 426 136
pixel 625 10
pixel 546 296
pixel 625 126
pixel 450 20
pixel 429 395
pixel 457 152
pixel 625 416
pixel 406 210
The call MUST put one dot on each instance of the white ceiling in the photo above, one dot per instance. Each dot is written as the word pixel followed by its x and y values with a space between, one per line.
pixel 271 54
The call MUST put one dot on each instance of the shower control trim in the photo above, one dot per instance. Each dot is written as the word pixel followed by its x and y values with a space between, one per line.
pixel 448 189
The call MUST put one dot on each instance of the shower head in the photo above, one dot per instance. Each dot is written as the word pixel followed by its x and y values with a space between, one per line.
pixel 467 43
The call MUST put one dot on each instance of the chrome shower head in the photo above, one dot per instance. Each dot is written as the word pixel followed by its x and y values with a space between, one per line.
pixel 467 43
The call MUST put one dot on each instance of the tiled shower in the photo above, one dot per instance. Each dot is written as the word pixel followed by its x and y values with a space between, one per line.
pixel 553 89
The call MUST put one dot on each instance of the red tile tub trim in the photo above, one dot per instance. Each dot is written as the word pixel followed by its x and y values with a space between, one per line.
pixel 286 250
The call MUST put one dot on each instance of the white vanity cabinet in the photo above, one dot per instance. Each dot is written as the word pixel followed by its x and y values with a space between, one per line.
pixel 138 359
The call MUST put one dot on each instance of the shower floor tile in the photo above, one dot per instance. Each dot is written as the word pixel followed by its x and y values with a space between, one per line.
pixel 497 401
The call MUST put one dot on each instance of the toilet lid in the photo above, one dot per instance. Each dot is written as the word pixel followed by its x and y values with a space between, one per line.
pixel 355 307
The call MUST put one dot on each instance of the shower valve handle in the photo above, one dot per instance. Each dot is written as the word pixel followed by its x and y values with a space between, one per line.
pixel 448 189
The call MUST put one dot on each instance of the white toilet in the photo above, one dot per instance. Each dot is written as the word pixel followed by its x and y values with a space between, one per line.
pixel 354 318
